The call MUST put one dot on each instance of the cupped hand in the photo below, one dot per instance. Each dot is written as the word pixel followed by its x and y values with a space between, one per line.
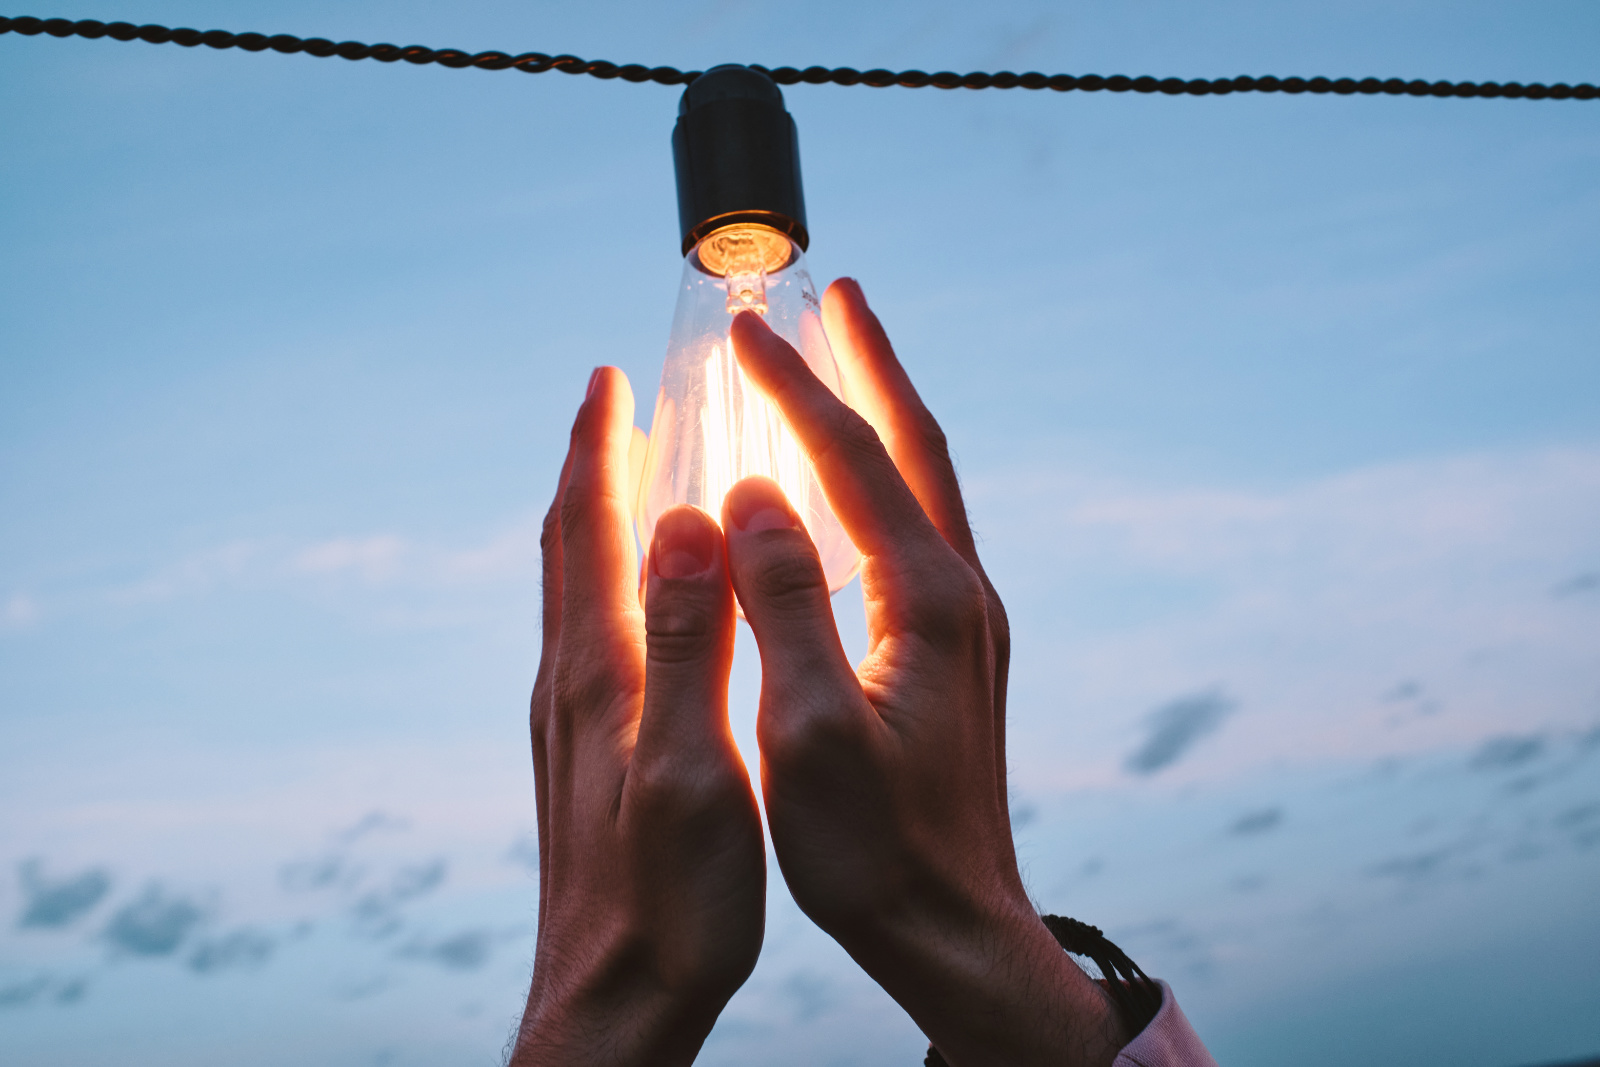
pixel 885 784
pixel 652 871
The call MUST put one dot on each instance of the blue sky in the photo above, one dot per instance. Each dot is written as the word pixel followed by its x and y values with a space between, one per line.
pixel 1279 418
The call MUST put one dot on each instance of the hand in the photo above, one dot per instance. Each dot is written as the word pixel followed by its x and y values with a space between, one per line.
pixel 885 785
pixel 652 871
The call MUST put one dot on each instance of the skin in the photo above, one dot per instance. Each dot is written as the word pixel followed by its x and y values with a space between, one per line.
pixel 884 783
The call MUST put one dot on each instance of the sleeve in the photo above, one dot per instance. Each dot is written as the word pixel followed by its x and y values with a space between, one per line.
pixel 1169 1040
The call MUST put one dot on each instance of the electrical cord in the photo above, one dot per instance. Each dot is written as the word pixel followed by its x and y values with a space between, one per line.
pixel 539 62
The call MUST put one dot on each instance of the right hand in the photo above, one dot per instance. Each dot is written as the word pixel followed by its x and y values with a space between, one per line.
pixel 885 784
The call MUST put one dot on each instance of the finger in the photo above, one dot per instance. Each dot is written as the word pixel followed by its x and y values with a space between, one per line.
pixel 601 652
pixel 550 635
pixel 880 389
pixel 777 575
pixel 684 733
pixel 550 575
pixel 867 493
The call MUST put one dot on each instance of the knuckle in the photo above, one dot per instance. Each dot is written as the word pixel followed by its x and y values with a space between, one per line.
pixel 539 704
pixel 999 626
pixel 931 436
pixel 578 512
pixel 550 532
pixel 674 789
pixel 676 635
pixel 583 690
pixel 683 618
pixel 951 607
pixel 852 438
pixel 787 580
pixel 820 736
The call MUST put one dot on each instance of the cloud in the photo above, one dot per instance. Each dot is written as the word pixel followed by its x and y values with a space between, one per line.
pixel 371 823
pixel 1582 822
pixel 198 573
pixel 1167 945
pixel 1407 690
pixel 1257 822
pixel 302 876
pixel 1587 582
pixel 241 948
pixel 373 559
pixel 20 612
pixel 1176 727
pixel 524 851
pixel 464 951
pixel 1316 600
pixel 21 994
pixel 1507 751
pixel 54 904
pixel 377 913
pixel 154 924
pixel 418 880
pixel 1023 813
pixel 1432 865
pixel 811 994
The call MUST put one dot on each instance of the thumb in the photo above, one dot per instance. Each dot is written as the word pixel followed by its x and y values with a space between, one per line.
pixel 806 678
pixel 689 628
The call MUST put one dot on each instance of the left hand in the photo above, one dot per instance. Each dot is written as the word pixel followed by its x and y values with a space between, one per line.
pixel 652 870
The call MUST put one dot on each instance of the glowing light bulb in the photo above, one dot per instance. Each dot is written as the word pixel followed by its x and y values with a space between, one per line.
pixel 712 427
pixel 742 216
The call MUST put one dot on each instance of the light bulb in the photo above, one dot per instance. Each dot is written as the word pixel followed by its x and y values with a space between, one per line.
pixel 711 426
pixel 742 217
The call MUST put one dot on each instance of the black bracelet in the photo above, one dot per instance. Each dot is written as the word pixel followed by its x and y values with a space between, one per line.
pixel 1134 994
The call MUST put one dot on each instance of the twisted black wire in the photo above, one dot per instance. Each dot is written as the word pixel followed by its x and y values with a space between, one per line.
pixel 538 63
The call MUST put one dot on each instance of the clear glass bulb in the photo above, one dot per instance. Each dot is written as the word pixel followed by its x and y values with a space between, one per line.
pixel 711 427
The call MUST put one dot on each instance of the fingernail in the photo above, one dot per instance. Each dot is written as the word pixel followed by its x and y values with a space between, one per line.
pixel 762 507
pixel 684 544
pixel 594 376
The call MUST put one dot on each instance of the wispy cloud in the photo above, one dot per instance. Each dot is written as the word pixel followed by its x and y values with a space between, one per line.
pixel 1256 822
pixel 1323 604
pixel 352 566
pixel 1508 751
pixel 374 559
pixel 244 947
pixel 51 903
pixel 1176 727
pixel 464 951
pixel 20 612
pixel 377 911
pixel 156 923
pixel 1587 582
pixel 18 994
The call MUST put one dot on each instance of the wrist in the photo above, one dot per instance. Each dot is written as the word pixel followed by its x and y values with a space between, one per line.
pixel 613 1013
pixel 988 984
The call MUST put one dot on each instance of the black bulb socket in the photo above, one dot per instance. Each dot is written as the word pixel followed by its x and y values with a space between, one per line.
pixel 737 156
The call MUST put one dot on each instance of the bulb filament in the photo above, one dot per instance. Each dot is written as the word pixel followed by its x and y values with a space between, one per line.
pixel 742 434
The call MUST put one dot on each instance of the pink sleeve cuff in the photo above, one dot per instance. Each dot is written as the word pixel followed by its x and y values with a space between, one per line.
pixel 1169 1040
